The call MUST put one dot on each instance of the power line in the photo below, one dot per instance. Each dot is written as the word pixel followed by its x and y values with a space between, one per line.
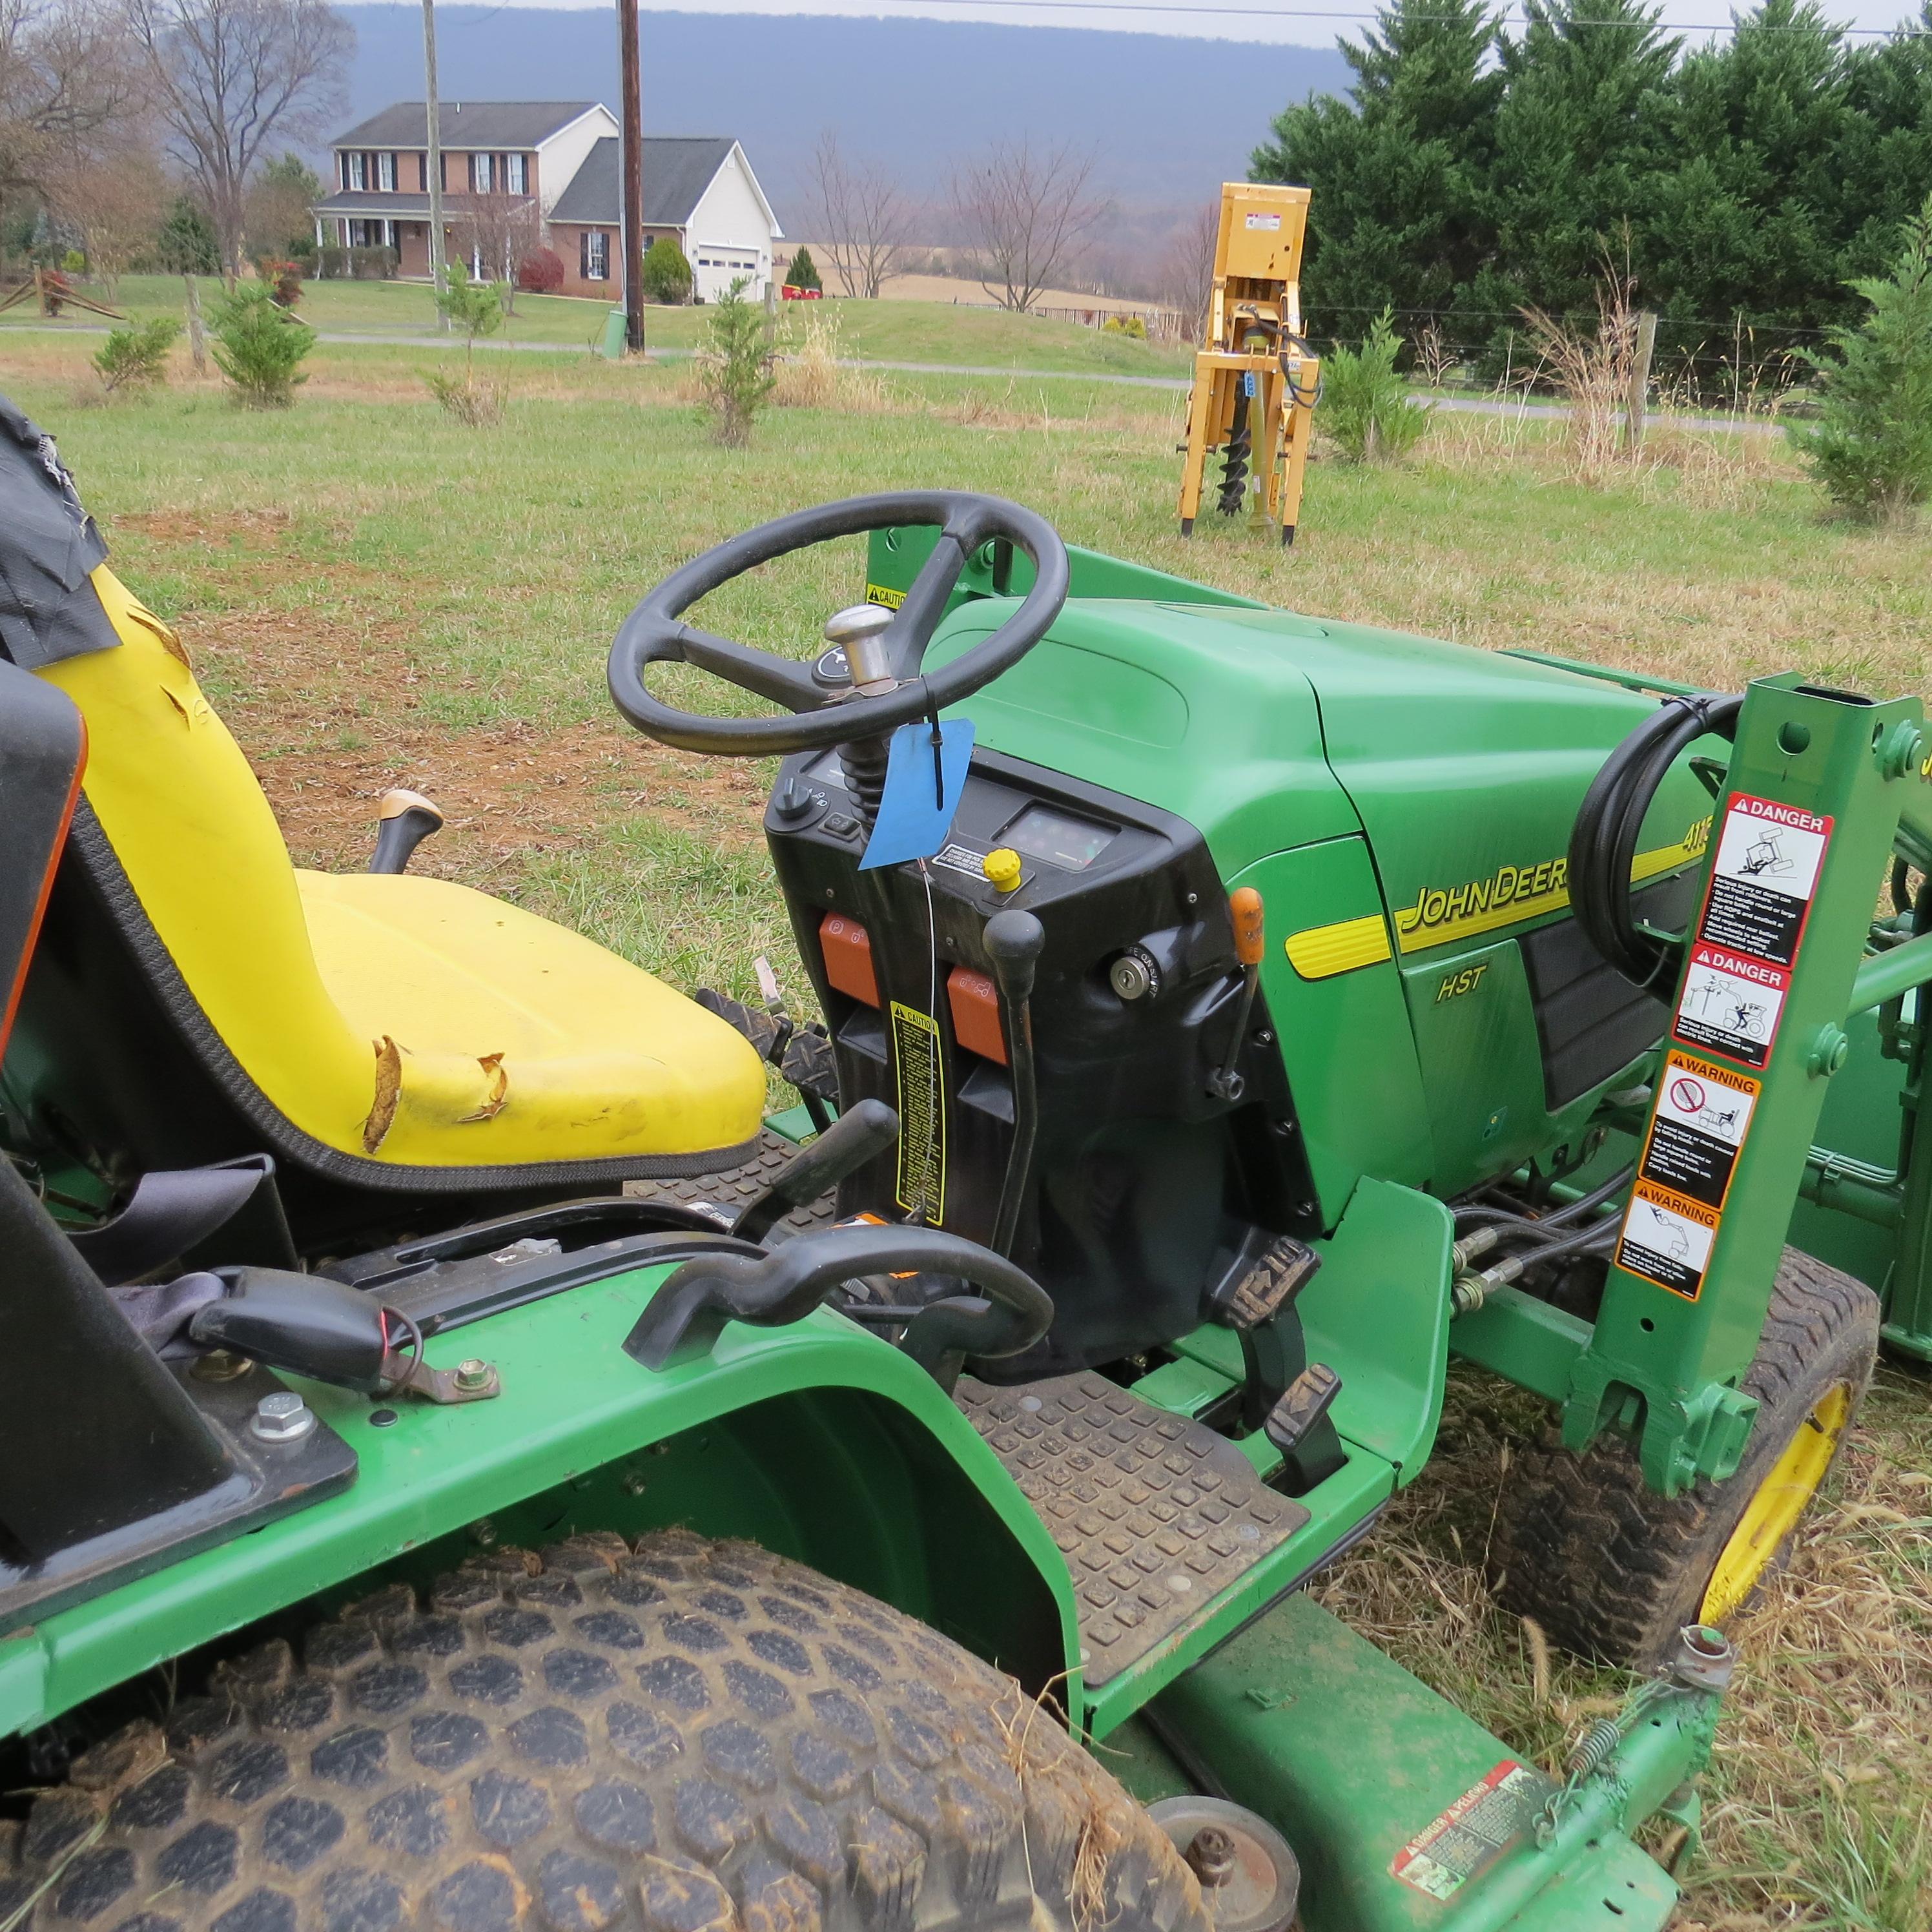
pixel 1188 12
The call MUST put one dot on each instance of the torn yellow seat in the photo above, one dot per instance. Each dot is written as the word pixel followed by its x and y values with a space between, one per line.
pixel 396 1020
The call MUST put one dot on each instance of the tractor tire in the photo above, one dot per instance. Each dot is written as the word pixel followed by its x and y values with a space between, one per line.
pixel 1610 1570
pixel 690 1737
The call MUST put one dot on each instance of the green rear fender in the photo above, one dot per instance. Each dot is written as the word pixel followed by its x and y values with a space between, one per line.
pixel 819 1440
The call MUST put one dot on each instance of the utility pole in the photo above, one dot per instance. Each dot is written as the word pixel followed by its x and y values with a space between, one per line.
pixel 632 148
pixel 434 163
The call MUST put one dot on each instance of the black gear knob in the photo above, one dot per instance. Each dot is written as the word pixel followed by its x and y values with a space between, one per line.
pixel 1014 941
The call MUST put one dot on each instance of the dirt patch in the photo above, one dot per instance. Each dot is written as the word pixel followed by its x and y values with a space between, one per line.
pixel 325 756
pixel 254 527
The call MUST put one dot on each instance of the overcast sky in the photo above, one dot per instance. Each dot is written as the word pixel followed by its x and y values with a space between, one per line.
pixel 1302 21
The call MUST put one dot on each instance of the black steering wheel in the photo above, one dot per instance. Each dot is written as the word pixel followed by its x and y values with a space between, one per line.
pixel 655 632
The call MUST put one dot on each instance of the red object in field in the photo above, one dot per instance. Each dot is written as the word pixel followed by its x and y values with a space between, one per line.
pixel 791 293
pixel 847 948
pixel 975 1001
pixel 1244 906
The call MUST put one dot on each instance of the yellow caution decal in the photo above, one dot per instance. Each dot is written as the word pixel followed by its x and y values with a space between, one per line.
pixel 877 593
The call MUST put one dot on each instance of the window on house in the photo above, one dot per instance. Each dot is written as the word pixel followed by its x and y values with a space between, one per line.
pixel 515 178
pixel 481 177
pixel 359 171
pixel 594 255
pixel 385 173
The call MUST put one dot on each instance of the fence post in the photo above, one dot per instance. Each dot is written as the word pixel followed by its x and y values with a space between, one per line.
pixel 1640 381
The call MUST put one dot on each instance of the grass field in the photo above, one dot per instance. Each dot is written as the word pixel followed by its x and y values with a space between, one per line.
pixel 376 596
pixel 885 330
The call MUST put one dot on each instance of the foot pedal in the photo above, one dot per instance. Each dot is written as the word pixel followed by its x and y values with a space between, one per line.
pixel 809 1063
pixel 1305 1402
pixel 1299 1426
pixel 767 1032
pixel 1281 1271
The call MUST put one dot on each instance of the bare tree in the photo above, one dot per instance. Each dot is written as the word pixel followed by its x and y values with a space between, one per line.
pixel 1024 215
pixel 864 220
pixel 116 198
pixel 1187 270
pixel 64 77
pixel 231 76
pixel 503 230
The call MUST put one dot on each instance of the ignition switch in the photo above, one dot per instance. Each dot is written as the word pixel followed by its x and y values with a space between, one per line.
pixel 1134 975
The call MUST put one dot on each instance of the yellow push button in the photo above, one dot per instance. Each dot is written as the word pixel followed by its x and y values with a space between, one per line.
pixel 1002 866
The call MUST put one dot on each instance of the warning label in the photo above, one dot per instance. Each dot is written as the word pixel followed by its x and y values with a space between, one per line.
pixel 1731 1004
pixel 1762 879
pixel 1271 223
pixel 921 1178
pixel 1475 1830
pixel 1703 1112
pixel 1666 1238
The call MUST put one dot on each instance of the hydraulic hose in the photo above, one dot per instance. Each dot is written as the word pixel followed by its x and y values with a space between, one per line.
pixel 1572 1210
pixel 1603 844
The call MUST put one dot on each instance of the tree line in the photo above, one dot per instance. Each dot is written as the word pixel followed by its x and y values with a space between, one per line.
pixel 1479 170
pixel 158 130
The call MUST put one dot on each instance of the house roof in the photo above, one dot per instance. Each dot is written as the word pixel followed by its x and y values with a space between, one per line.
pixel 677 170
pixel 466 124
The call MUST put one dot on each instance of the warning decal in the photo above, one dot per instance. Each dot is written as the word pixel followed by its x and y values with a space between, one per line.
pixel 1270 222
pixel 922 1177
pixel 1475 1830
pixel 1761 880
pixel 1731 1004
pixel 1703 1112
pixel 1666 1238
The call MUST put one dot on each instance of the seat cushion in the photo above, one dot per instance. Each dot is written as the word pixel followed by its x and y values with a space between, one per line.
pixel 500 1037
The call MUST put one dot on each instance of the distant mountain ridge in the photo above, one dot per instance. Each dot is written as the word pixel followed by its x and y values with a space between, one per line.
pixel 1168 118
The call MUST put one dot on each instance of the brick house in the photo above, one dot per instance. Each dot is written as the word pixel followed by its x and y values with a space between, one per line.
pixel 558 161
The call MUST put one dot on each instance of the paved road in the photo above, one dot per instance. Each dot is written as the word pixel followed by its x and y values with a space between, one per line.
pixel 1474 406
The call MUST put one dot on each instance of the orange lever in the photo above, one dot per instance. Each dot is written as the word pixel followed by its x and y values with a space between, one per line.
pixel 1244 904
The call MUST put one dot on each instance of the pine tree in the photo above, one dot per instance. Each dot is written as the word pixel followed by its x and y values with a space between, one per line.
pixel 1399 171
pixel 1748 224
pixel 1577 146
pixel 1872 446
pixel 803 273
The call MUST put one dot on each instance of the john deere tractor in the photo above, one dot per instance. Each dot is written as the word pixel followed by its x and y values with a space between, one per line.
pixel 463 1465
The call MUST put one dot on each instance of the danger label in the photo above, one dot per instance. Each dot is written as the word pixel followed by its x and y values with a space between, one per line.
pixel 921 1175
pixel 1731 1004
pixel 1666 1239
pixel 1763 877
pixel 1703 1112
pixel 1475 1830
pixel 1270 222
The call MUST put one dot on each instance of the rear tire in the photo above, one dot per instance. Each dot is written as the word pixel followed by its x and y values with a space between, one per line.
pixel 693 1737
pixel 1610 1570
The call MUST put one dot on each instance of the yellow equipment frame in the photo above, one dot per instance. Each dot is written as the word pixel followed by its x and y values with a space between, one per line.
pixel 1255 380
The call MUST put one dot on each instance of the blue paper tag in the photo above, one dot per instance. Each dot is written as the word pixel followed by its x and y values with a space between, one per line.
pixel 916 811
pixel 1247 381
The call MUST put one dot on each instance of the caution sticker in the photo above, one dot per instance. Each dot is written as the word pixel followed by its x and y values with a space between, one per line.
pixel 922 1176
pixel 1666 1239
pixel 1475 1830
pixel 1763 877
pixel 1272 223
pixel 1731 1004
pixel 880 593
pixel 1703 1113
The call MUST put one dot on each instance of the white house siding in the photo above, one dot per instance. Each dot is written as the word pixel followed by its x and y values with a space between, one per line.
pixel 559 157
pixel 730 234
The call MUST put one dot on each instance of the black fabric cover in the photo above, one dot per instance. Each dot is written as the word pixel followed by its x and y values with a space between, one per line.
pixel 49 546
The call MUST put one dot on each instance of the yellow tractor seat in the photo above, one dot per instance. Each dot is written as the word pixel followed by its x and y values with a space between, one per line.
pixel 390 1030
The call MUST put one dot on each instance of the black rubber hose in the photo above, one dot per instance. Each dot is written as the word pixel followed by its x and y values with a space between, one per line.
pixel 1603 843
pixel 1482 1214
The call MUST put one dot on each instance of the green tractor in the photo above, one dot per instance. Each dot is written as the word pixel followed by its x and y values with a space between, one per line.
pixel 463 1466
